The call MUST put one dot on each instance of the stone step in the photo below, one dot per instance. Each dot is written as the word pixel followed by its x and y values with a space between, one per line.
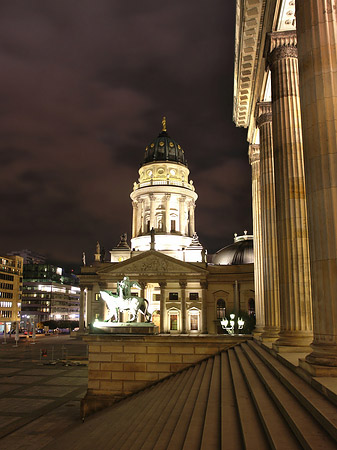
pixel 276 429
pixel 230 429
pixel 308 431
pixel 249 419
pixel 171 422
pixel 145 411
pixel 211 433
pixel 151 427
pixel 195 427
pixel 179 433
pixel 320 407
pixel 152 430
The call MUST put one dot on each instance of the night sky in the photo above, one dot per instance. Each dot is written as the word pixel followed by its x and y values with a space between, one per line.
pixel 83 88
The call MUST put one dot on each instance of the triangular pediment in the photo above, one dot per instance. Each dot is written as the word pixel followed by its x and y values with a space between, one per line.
pixel 152 262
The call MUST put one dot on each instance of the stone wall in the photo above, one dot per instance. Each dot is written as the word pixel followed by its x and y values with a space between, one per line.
pixel 122 365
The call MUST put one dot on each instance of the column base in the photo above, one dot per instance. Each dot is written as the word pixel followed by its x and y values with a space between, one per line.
pixel 316 370
pixel 323 355
pixel 270 334
pixel 293 342
pixel 258 330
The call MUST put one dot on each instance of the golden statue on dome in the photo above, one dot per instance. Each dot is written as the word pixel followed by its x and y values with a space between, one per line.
pixel 164 124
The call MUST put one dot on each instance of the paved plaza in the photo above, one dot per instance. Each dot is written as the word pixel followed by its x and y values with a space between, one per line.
pixel 41 385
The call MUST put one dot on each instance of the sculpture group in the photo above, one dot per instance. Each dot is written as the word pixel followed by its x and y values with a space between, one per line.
pixel 125 301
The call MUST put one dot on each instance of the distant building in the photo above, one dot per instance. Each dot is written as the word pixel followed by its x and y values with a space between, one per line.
pixel 49 293
pixel 186 293
pixel 10 289
pixel 29 257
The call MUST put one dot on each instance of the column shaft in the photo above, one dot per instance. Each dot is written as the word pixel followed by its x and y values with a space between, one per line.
pixel 192 219
pixel 81 319
pixel 134 219
pixel 317 54
pixel 162 307
pixel 183 285
pixel 268 221
pixel 182 215
pixel 254 159
pixel 167 213
pixel 152 211
pixel 291 216
pixel 204 285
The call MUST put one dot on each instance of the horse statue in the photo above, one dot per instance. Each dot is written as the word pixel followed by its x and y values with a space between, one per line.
pixel 124 301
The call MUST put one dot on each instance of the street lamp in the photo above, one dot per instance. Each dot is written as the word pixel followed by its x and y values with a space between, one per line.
pixel 229 325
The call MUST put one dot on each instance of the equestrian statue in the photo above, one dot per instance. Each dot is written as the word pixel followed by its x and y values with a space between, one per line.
pixel 125 301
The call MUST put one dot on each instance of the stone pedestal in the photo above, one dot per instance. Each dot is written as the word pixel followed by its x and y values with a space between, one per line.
pixel 317 53
pixel 268 224
pixel 291 215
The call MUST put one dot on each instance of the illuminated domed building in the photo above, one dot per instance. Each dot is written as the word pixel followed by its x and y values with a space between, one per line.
pixel 186 293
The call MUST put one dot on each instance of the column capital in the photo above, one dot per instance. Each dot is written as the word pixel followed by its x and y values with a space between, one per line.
pixel 263 113
pixel 254 153
pixel 142 284
pixel 167 196
pixel 280 45
pixel 134 204
pixel 183 284
pixel 162 284
pixel 204 284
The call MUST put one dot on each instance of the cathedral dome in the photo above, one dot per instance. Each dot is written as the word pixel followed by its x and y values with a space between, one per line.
pixel 240 252
pixel 164 148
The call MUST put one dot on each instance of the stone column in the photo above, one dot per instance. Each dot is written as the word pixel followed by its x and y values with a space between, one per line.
pixel 254 159
pixel 152 211
pixel 162 285
pixel 268 222
pixel 167 213
pixel 81 321
pixel 183 285
pixel 142 284
pixel 291 215
pixel 134 219
pixel 182 214
pixel 317 54
pixel 89 298
pixel 204 286
pixel 192 220
pixel 139 217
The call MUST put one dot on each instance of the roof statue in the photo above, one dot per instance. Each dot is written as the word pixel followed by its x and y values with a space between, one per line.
pixel 164 124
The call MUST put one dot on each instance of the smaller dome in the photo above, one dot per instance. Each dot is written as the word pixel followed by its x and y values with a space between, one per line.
pixel 240 252
pixel 164 148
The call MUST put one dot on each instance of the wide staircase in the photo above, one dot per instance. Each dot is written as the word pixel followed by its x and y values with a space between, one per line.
pixel 242 398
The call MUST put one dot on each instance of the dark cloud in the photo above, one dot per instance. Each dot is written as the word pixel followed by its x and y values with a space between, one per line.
pixel 83 87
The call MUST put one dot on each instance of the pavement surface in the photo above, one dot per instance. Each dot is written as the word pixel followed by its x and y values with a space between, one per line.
pixel 41 386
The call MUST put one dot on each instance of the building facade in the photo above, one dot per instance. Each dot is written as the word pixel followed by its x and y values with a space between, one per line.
pixel 285 95
pixel 49 294
pixel 11 268
pixel 186 293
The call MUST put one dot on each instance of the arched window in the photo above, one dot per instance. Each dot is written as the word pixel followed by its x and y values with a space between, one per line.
pixel 251 307
pixel 194 319
pixel 221 309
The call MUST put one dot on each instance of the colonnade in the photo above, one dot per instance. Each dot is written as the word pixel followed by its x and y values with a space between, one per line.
pixel 294 176
pixel 173 207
